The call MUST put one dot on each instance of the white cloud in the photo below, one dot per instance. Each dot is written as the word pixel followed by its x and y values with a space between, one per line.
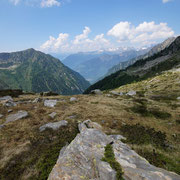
pixel 145 33
pixel 50 3
pixel 165 1
pixel 54 45
pixel 79 38
pixel 80 42
pixel 41 3
pixel 124 33
pixel 15 2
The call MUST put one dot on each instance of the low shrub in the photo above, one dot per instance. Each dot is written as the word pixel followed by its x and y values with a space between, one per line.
pixel 138 134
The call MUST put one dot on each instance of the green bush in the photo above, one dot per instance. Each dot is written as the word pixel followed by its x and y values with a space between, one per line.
pixel 144 111
pixel 138 134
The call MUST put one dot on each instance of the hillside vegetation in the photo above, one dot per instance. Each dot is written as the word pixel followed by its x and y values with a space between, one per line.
pixel 142 69
pixel 34 71
pixel 150 120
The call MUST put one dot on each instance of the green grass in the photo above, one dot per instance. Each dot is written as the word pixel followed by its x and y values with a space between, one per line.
pixel 41 155
pixel 109 157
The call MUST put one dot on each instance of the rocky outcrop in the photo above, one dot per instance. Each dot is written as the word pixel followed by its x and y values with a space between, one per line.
pixel 7 101
pixel 116 93
pixel 131 93
pixel 54 126
pixel 82 159
pixel 6 98
pixel 97 92
pixel 72 99
pixel 16 116
pixel 50 103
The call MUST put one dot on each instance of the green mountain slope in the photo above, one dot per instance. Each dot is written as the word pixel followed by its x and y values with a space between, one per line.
pixel 143 68
pixel 35 71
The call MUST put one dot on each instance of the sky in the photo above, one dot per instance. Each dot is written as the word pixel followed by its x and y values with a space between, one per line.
pixel 69 26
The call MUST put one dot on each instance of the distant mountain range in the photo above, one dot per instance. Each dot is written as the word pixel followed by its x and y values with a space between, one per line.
pixel 152 51
pixel 34 71
pixel 93 65
pixel 144 68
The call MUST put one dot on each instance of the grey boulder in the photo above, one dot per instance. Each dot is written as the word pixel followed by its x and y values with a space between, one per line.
pixel 131 93
pixel 72 99
pixel 50 103
pixel 16 116
pixel 82 158
pixel 6 98
pixel 54 126
pixel 7 101
pixel 116 93
pixel 9 104
pixel 97 91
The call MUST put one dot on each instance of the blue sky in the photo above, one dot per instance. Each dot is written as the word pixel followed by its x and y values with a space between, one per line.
pixel 66 26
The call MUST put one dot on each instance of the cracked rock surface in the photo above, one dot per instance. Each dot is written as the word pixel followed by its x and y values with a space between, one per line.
pixel 81 159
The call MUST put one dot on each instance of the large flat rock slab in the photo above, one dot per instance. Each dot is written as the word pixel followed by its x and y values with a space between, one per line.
pixel 16 116
pixel 82 159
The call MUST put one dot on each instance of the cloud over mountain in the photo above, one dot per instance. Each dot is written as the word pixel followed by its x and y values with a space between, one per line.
pixel 80 42
pixel 146 33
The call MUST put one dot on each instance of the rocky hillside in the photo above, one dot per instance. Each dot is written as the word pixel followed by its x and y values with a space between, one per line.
pixel 34 71
pixel 151 52
pixel 143 119
pixel 142 69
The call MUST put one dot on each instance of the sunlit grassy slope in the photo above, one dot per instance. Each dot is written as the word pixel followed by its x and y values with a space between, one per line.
pixel 150 120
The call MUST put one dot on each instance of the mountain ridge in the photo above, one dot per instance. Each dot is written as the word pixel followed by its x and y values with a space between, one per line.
pixel 143 68
pixel 35 71
pixel 157 48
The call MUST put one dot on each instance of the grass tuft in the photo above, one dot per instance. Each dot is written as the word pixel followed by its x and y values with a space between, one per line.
pixel 109 157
